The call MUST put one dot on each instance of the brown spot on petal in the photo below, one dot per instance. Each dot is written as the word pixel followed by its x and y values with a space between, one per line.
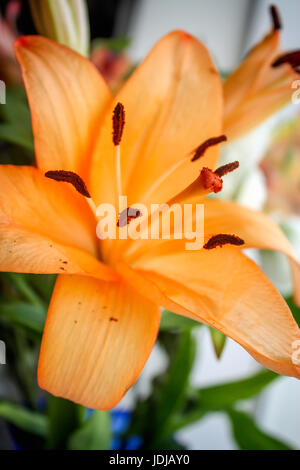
pixel 223 239
pixel 113 319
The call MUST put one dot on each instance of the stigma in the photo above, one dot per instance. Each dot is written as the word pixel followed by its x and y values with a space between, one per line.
pixel 212 180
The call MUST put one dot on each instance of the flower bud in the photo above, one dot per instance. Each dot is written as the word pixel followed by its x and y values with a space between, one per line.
pixel 65 21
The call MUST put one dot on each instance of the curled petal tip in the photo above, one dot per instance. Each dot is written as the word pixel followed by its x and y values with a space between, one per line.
pixel 183 35
pixel 22 41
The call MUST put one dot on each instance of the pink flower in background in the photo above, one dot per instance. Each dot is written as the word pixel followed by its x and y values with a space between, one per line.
pixel 113 66
pixel 9 70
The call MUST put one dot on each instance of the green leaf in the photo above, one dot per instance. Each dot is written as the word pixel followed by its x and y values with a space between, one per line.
pixel 220 397
pixel 19 283
pixel 43 284
pixel 12 134
pixel 172 394
pixel 218 340
pixel 16 123
pixel 248 436
pixel 224 395
pixel 294 309
pixel 29 421
pixel 171 321
pixel 116 45
pixel 24 314
pixel 181 420
pixel 64 418
pixel 171 444
pixel 95 434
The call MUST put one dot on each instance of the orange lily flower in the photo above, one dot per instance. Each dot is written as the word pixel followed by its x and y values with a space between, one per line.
pixel 104 314
pixel 261 85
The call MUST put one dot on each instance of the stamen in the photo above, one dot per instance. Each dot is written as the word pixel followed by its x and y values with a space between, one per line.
pixel 118 123
pixel 127 215
pixel 225 169
pixel 211 180
pixel 277 25
pixel 292 58
pixel 223 239
pixel 200 151
pixel 118 128
pixel 69 177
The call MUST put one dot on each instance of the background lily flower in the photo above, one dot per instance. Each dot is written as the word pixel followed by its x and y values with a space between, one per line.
pixel 268 179
pixel 114 66
pixel 9 70
pixel 104 314
pixel 261 85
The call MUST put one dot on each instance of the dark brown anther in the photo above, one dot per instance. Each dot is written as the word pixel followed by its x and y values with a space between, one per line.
pixel 223 239
pixel 277 25
pixel 118 123
pixel 127 215
pixel 292 58
pixel 69 177
pixel 200 151
pixel 225 169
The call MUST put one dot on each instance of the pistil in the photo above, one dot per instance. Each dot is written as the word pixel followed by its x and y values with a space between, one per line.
pixel 197 153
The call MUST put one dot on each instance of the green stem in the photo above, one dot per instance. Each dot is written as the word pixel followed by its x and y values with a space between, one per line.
pixel 24 288
pixel 24 366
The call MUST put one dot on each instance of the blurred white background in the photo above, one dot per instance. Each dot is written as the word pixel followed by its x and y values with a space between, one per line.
pixel 229 28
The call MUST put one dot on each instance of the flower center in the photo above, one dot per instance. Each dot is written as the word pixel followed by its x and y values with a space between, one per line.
pixel 208 180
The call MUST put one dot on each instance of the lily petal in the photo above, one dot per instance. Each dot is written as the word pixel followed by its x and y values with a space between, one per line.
pixel 67 97
pixel 255 228
pixel 229 292
pixel 173 103
pixel 45 226
pixel 256 90
pixel 97 339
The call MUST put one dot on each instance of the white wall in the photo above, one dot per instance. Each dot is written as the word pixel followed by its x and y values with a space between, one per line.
pixel 220 24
